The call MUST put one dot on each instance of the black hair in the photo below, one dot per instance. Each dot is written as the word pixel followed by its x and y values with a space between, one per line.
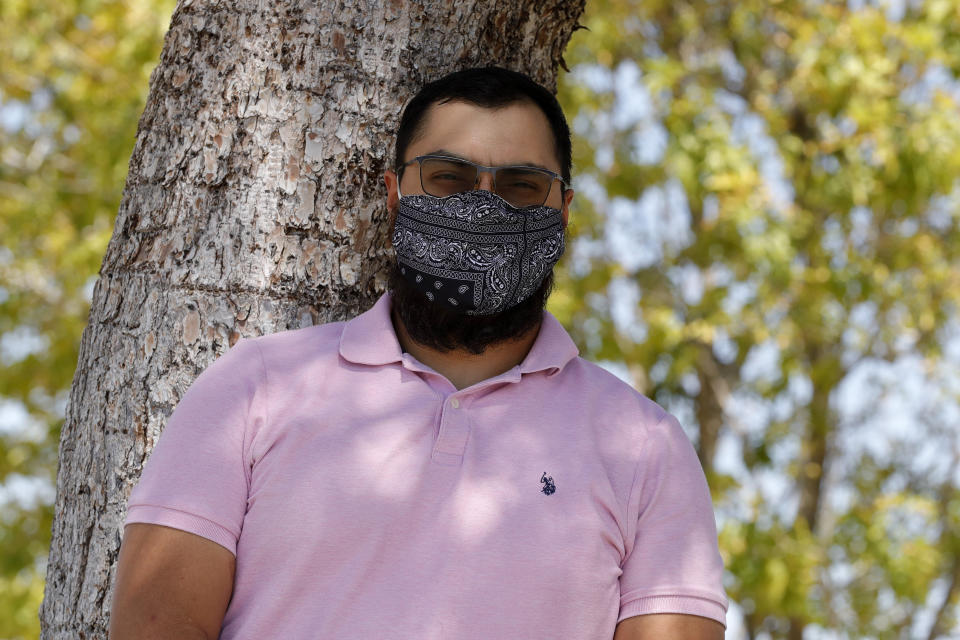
pixel 489 87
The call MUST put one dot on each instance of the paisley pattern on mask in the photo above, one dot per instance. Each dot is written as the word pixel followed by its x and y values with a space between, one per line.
pixel 474 252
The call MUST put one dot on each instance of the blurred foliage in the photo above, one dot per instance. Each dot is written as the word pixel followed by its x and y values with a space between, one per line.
pixel 73 82
pixel 769 203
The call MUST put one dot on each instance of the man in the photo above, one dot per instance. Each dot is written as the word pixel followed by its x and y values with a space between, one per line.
pixel 443 466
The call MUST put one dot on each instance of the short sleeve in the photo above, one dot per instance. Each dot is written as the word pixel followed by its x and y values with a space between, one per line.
pixel 674 565
pixel 196 477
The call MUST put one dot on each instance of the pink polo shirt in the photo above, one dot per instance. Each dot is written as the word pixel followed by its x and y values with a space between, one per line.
pixel 365 497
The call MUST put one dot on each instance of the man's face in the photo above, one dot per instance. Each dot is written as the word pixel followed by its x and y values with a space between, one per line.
pixel 517 134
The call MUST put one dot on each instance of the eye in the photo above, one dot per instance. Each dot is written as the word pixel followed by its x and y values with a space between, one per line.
pixel 447 176
pixel 523 184
pixel 446 172
pixel 523 181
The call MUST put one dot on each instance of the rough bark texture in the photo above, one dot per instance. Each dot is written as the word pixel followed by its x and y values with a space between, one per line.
pixel 254 203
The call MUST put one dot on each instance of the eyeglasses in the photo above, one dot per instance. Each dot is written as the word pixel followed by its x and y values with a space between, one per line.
pixel 521 186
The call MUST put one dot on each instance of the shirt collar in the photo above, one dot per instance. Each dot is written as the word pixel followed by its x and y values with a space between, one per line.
pixel 552 349
pixel 371 340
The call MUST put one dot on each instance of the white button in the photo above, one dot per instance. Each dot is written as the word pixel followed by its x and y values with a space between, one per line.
pixel 454 403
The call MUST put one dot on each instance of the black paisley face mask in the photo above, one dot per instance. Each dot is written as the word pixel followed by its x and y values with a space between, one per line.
pixel 474 252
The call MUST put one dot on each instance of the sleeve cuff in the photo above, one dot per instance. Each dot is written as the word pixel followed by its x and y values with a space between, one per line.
pixel 690 605
pixel 197 525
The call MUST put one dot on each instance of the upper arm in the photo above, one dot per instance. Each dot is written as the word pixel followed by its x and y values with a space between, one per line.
pixel 673 565
pixel 169 581
pixel 675 626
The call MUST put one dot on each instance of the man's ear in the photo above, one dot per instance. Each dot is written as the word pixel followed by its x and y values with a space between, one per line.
pixel 393 199
pixel 565 208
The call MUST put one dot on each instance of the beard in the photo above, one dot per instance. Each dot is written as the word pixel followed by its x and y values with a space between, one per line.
pixel 437 327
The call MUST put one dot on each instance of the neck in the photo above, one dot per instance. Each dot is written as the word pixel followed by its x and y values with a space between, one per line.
pixel 464 368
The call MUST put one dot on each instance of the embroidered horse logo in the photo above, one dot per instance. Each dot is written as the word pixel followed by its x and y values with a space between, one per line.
pixel 547 482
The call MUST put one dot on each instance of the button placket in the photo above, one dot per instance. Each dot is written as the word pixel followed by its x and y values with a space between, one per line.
pixel 452 436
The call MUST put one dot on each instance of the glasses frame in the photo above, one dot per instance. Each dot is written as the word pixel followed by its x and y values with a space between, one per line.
pixel 485 169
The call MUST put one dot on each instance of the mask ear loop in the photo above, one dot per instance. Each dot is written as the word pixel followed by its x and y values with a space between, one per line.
pixel 399 179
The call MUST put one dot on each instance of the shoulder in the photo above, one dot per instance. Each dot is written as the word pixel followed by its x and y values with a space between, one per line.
pixel 279 351
pixel 613 396
pixel 251 361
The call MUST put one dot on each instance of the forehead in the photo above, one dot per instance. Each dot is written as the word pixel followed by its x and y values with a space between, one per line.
pixel 518 133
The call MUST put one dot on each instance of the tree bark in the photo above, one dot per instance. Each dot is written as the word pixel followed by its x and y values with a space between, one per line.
pixel 950 541
pixel 710 406
pixel 827 374
pixel 938 629
pixel 253 204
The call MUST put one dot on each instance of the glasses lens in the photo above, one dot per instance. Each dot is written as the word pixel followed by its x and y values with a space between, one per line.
pixel 446 177
pixel 523 187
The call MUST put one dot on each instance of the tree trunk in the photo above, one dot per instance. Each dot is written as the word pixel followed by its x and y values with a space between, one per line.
pixel 938 629
pixel 949 541
pixel 253 204
pixel 814 457
pixel 711 402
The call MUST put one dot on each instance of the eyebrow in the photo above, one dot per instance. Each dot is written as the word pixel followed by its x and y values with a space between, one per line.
pixel 451 154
